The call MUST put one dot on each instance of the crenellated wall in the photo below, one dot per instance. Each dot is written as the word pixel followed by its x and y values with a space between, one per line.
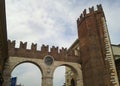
pixel 58 54
pixel 92 10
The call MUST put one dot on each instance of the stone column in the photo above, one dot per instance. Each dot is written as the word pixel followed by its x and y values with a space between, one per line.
pixel 47 81
pixel 7 74
pixel 47 78
pixel 6 77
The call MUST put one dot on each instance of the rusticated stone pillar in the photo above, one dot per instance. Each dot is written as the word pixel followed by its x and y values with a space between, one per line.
pixel 7 74
pixel 7 77
pixel 47 81
pixel 79 82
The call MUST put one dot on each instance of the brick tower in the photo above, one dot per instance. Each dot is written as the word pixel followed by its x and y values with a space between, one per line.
pixel 3 35
pixel 3 40
pixel 95 50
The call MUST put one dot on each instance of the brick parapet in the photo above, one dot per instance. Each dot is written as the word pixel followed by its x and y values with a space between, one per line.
pixel 58 54
pixel 92 11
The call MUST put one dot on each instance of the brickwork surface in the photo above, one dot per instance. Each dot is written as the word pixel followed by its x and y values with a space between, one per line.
pixel 96 71
pixel 58 54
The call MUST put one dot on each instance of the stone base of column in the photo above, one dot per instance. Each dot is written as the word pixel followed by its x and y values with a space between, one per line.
pixel 47 81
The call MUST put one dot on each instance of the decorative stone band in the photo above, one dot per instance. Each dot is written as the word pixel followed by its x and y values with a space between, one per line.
pixel 47 77
pixel 109 56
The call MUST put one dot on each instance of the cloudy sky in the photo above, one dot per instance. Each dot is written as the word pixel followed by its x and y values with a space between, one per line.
pixel 53 22
pixel 30 75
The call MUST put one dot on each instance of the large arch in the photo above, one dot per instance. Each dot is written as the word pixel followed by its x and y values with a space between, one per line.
pixel 15 61
pixel 39 67
pixel 28 74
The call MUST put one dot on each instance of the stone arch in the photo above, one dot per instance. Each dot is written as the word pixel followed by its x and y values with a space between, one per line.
pixel 33 67
pixel 15 61
pixel 39 67
pixel 75 67
pixel 19 61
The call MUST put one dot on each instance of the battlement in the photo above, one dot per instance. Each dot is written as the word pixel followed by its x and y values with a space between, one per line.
pixel 22 51
pixel 23 45
pixel 11 44
pixel 91 11
pixel 34 47
pixel 44 48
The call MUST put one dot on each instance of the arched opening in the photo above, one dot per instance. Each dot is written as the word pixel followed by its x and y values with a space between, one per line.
pixel 73 82
pixel 64 76
pixel 59 76
pixel 28 74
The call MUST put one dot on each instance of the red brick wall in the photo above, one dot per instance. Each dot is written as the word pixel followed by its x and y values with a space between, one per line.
pixel 3 35
pixel 91 36
pixel 55 52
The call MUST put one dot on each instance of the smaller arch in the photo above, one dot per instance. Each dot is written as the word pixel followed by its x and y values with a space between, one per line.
pixel 76 69
pixel 59 76
pixel 68 65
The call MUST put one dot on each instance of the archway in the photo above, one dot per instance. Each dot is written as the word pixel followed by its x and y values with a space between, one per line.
pixel 64 74
pixel 59 76
pixel 73 82
pixel 71 76
pixel 28 74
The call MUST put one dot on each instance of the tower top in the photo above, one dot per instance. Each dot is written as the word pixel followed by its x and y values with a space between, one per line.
pixel 91 11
